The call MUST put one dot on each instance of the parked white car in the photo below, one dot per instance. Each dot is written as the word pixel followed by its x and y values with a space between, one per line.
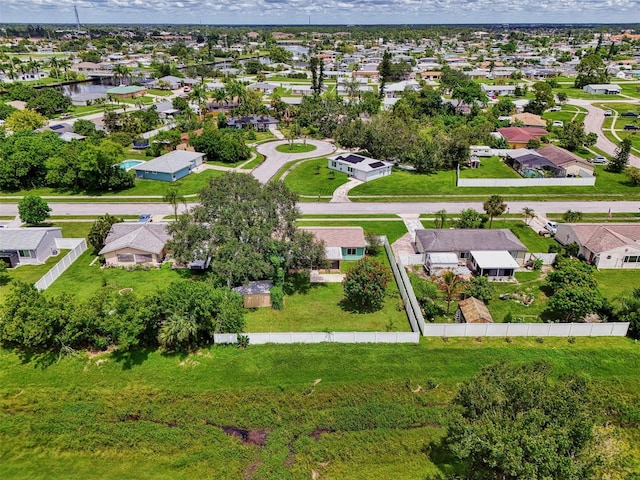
pixel 551 226
pixel 557 123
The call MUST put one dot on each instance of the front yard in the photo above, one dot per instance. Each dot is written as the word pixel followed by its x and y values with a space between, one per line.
pixel 313 177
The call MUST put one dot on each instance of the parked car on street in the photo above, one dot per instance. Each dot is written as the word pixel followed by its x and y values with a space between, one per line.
pixel 557 123
pixel 629 114
pixel 555 109
pixel 632 127
pixel 607 113
pixel 144 218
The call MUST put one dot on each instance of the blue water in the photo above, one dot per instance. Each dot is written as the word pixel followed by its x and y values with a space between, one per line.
pixel 129 164
pixel 530 173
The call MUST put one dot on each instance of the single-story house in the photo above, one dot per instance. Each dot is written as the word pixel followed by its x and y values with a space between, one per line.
pixel 263 87
pixel 256 294
pixel 602 89
pixel 529 120
pixel 497 265
pixel 613 245
pixel 257 122
pixel 127 91
pixel 437 261
pixel 465 240
pixel 531 164
pixel 340 243
pixel 28 246
pixel 360 167
pixel 518 137
pixel 131 243
pixel 498 90
pixel 472 310
pixel 170 167
pixel 573 165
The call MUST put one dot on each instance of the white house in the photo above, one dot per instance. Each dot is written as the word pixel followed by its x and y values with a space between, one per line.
pixel 498 90
pixel 613 245
pixel 602 89
pixel 360 167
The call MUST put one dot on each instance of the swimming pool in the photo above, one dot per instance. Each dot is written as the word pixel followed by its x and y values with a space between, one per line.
pixel 129 164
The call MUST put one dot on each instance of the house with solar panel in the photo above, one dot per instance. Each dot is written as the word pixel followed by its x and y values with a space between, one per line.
pixel 360 167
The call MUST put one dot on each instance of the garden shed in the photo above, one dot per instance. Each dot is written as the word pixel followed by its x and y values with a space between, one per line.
pixel 472 310
pixel 256 294
pixel 437 261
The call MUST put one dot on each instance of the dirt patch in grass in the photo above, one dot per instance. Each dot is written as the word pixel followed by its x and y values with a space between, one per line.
pixel 250 437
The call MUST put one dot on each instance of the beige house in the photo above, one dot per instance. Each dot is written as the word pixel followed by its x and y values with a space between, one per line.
pixel 135 243
pixel 529 120
pixel 614 245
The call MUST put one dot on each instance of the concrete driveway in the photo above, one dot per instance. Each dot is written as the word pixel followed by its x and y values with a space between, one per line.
pixel 275 160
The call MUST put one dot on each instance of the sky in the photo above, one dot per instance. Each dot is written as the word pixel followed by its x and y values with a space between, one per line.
pixel 274 12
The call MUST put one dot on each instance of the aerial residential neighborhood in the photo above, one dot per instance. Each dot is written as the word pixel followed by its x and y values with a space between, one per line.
pixel 319 251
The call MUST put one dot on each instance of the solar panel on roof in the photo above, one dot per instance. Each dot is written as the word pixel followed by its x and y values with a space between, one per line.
pixel 376 164
pixel 353 159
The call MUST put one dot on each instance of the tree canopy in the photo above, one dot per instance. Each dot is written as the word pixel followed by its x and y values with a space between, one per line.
pixel 517 422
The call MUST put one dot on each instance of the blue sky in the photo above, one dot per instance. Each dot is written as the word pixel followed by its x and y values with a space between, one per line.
pixel 218 12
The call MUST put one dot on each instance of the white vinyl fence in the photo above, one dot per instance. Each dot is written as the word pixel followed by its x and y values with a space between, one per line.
pixel 527 182
pixel 77 246
pixel 613 329
pixel 321 337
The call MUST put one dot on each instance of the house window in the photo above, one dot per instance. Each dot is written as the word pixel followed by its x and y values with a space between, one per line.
pixel 352 251
pixel 349 169
pixel 465 254
pixel 24 253
pixel 631 259
pixel 144 258
pixel 125 258
pixel 333 164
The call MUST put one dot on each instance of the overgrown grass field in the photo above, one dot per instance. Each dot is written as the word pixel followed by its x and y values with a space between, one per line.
pixel 343 411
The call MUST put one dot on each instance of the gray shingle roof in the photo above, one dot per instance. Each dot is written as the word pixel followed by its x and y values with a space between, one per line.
pixel 253 288
pixel 147 237
pixel 23 238
pixel 463 240
pixel 171 162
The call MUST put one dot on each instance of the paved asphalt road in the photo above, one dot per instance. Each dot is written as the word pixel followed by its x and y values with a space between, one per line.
pixel 593 123
pixel 325 208
pixel 275 159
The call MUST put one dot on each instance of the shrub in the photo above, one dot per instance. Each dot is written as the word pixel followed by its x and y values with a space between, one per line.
pixel 277 297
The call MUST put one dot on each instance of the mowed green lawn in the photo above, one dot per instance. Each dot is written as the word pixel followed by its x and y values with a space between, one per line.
pixel 29 273
pixel 444 183
pixel 319 309
pixel 345 411
pixel 490 167
pixel 312 177
pixel 393 229
pixel 296 148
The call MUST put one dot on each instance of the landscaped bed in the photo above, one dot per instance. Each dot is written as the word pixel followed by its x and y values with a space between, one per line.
pixel 296 148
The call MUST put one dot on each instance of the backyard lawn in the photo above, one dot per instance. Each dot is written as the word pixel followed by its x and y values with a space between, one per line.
pixel 318 308
pixel 312 177
pixel 490 167
pixel 393 229
pixel 83 280
pixel 29 273
pixel 616 283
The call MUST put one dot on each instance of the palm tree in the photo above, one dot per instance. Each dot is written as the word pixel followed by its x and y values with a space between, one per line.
pixel 529 214
pixel 174 198
pixel 199 95
pixel 54 64
pixel 494 207
pixel 121 72
pixel 65 64
pixel 451 286
pixel 179 330
pixel 34 66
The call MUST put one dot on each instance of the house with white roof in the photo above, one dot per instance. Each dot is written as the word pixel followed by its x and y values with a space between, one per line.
pixel 360 167
pixel 602 89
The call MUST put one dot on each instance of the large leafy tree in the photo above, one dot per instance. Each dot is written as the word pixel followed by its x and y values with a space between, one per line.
pixel 33 210
pixel 365 285
pixel 469 218
pixel 385 71
pixel 591 69
pixel 494 207
pixel 239 223
pixel 221 145
pixel 575 291
pixel 22 120
pixel 518 422
pixel 543 98
pixel 573 135
pixel 629 311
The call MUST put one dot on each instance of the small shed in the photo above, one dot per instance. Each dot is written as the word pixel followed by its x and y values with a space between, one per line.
pixel 436 261
pixel 472 310
pixel 256 294
pixel 498 265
